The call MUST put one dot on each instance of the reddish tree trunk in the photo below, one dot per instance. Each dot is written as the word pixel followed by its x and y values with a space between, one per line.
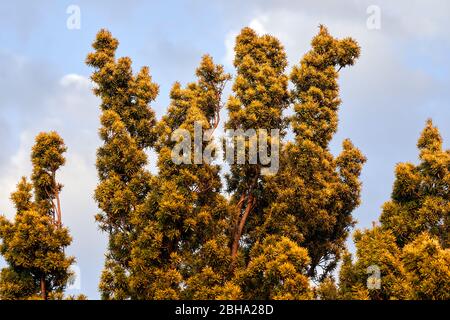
pixel 58 210
pixel 43 288
pixel 240 226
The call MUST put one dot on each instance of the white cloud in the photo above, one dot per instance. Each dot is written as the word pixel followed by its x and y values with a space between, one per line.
pixel 229 48
pixel 76 80
pixel 257 24
pixel 17 166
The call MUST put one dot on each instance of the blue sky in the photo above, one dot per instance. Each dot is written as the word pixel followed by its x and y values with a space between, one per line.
pixel 401 79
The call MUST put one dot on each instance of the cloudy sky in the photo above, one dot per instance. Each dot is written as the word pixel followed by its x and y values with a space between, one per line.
pixel 401 79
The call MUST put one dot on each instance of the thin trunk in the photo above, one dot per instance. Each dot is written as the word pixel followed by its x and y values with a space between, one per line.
pixel 219 106
pixel 43 288
pixel 58 202
pixel 238 212
pixel 240 227
pixel 54 212
pixel 58 210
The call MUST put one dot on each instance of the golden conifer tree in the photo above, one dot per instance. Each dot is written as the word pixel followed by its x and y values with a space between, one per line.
pixel 410 247
pixel 182 224
pixel 174 235
pixel 315 193
pixel 33 244
pixel 127 130
pixel 259 97
pixel 421 195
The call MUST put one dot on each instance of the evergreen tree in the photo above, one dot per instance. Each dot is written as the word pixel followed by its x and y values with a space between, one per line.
pixel 427 267
pixel 127 130
pixel 421 194
pixel 376 251
pixel 33 244
pixel 179 252
pixel 419 270
pixel 314 193
pixel 410 247
pixel 277 270
pixel 260 96
pixel 327 290
pixel 47 157
pixel 174 235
